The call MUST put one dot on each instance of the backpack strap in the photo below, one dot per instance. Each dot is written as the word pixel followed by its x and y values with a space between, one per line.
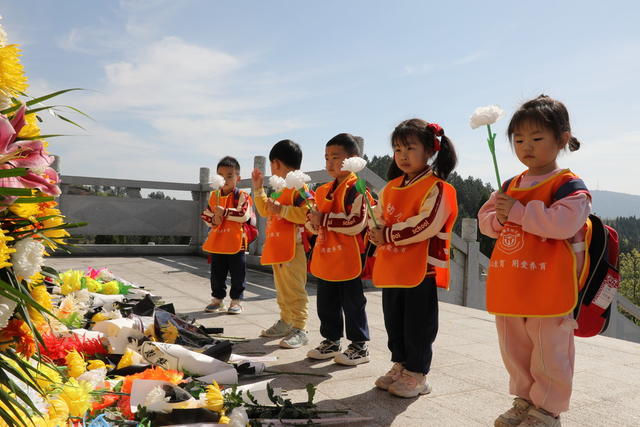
pixel 570 187
pixel 505 185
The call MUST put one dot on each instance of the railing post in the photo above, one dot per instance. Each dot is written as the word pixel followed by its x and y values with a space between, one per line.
pixel 471 281
pixel 200 197
pixel 259 162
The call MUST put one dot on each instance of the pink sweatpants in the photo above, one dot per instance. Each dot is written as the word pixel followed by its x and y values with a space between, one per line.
pixel 539 355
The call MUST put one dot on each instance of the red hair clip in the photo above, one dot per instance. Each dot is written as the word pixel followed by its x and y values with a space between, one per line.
pixel 437 131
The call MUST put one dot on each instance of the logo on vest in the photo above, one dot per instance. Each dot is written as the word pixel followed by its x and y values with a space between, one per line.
pixel 511 239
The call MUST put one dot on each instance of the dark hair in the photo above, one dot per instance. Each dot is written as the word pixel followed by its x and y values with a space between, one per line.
pixel 288 152
pixel 350 143
pixel 446 158
pixel 229 162
pixel 546 112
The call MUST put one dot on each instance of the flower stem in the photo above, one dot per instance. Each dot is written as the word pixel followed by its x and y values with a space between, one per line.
pixel 294 373
pixel 373 217
pixel 492 148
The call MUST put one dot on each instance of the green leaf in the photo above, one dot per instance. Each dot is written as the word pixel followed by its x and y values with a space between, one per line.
pixel 8 191
pixel 38 137
pixel 361 186
pixel 275 194
pixel 311 392
pixel 36 200
pixel 5 173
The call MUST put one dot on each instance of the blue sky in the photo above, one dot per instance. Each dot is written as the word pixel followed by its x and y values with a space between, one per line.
pixel 175 85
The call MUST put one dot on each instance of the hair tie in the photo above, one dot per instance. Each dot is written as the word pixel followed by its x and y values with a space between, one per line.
pixel 437 131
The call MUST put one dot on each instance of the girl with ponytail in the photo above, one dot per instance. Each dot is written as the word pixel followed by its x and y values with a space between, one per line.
pixel 415 214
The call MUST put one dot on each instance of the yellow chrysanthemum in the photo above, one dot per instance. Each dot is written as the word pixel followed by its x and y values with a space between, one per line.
pixel 76 395
pixel 224 420
pixel 58 410
pixel 150 332
pixel 71 281
pixel 75 364
pixel 5 251
pixel 40 295
pixel 55 235
pixel 31 128
pixel 96 364
pixel 130 357
pixel 47 377
pixel 99 317
pixel 12 78
pixel 169 333
pixel 25 210
pixel 213 399
pixel 93 285
pixel 111 288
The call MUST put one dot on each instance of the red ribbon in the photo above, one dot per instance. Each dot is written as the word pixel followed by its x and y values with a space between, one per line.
pixel 437 131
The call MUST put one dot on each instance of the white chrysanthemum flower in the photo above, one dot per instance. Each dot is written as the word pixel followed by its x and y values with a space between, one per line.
pixel 238 417
pixel 277 183
pixel 83 298
pixel 157 401
pixel 5 101
pixel 354 164
pixel 297 179
pixel 485 116
pixel 105 274
pixel 217 182
pixel 96 377
pixel 28 258
pixel 7 306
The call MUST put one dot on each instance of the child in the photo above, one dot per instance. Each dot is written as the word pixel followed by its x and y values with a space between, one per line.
pixel 415 213
pixel 339 221
pixel 532 285
pixel 228 209
pixel 283 248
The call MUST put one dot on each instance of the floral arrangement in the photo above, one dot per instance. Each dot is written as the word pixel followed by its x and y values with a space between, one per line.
pixel 278 184
pixel 297 180
pixel 486 116
pixel 355 165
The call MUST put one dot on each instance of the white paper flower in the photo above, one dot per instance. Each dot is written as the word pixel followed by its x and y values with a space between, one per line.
pixel 297 179
pixel 217 182
pixel 156 401
pixel 277 183
pixel 3 36
pixel 354 164
pixel 238 417
pixel 96 377
pixel 28 258
pixel 7 306
pixel 485 116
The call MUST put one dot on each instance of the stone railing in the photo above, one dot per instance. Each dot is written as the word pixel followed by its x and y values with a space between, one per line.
pixel 132 215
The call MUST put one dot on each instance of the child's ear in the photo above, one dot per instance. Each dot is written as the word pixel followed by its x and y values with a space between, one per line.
pixel 238 178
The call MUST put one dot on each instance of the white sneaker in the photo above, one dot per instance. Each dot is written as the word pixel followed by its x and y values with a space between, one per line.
pixel 355 354
pixel 296 338
pixel 277 330
pixel 215 305
pixel 326 350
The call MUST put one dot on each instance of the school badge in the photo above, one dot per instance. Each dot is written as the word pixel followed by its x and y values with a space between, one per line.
pixel 511 238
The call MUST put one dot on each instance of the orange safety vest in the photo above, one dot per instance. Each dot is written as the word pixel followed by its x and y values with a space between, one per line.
pixel 226 238
pixel 336 256
pixel 281 235
pixel 406 266
pixel 529 275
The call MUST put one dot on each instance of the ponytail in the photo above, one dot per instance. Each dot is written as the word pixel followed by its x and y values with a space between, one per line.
pixel 574 144
pixel 446 159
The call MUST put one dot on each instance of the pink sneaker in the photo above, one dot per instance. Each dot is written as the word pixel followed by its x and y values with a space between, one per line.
pixel 390 377
pixel 410 384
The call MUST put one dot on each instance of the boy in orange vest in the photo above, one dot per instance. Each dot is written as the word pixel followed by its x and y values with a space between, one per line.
pixel 339 221
pixel 283 248
pixel 228 209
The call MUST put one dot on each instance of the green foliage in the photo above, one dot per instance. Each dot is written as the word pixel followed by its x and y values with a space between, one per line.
pixel 630 279
pixel 379 164
pixel 628 229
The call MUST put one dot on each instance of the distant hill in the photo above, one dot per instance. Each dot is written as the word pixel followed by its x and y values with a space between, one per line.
pixel 609 204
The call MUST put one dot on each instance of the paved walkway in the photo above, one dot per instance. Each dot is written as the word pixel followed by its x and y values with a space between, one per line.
pixel 468 379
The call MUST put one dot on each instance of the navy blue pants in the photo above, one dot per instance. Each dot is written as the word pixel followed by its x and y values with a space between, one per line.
pixel 336 298
pixel 234 265
pixel 411 320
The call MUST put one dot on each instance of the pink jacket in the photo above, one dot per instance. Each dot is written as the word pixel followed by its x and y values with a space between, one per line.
pixel 564 219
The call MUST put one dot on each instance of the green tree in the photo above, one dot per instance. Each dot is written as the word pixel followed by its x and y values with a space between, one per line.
pixel 630 275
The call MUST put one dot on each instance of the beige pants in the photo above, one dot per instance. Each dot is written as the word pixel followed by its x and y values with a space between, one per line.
pixel 290 280
pixel 539 355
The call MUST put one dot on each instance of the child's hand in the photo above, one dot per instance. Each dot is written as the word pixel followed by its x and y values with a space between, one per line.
pixel 257 178
pixel 219 211
pixel 216 220
pixel 273 207
pixel 376 235
pixel 504 203
pixel 315 218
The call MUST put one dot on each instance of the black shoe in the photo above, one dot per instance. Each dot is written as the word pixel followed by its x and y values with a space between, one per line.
pixel 326 350
pixel 355 354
